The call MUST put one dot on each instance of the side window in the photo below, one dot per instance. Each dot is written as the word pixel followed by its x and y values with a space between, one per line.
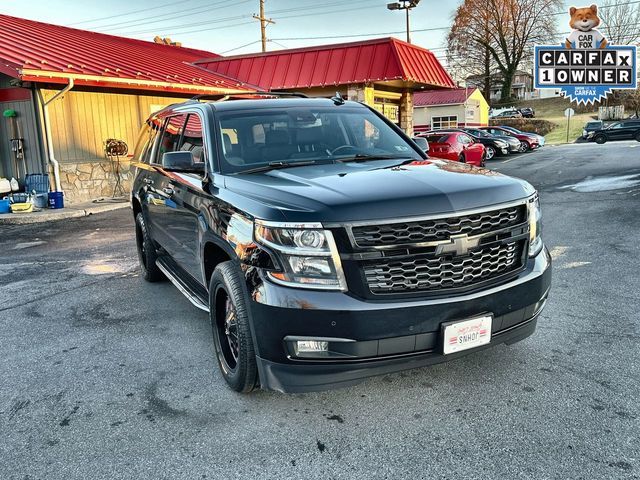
pixel 464 139
pixel 193 140
pixel 146 139
pixel 171 135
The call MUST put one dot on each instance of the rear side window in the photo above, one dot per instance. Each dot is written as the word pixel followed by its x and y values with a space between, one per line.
pixel 171 135
pixel 464 139
pixel 146 139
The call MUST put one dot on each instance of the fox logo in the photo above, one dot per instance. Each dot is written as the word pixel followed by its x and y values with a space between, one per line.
pixel 584 35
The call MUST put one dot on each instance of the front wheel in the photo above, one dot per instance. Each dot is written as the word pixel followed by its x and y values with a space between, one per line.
pixel 490 151
pixel 228 311
pixel 462 158
pixel 524 146
pixel 147 253
pixel 600 139
pixel 638 136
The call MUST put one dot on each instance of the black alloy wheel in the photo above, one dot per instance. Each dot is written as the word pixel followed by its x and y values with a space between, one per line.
pixel 147 252
pixel 228 311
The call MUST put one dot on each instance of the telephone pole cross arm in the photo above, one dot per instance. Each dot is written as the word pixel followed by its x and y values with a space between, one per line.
pixel 264 21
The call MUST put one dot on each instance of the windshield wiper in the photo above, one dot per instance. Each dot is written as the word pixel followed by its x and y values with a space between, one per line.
pixel 277 165
pixel 364 158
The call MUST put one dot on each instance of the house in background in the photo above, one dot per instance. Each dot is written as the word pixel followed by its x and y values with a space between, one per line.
pixel 521 88
pixel 453 108
pixel 72 90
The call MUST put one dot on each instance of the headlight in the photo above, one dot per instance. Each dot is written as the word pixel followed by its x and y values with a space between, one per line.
pixel 535 226
pixel 502 144
pixel 308 254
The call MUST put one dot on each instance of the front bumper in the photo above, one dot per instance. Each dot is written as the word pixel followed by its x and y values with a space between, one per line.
pixel 384 336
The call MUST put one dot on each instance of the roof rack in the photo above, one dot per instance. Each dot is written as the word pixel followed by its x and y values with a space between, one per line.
pixel 222 98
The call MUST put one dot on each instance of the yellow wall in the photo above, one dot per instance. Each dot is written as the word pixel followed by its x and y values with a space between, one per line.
pixel 477 96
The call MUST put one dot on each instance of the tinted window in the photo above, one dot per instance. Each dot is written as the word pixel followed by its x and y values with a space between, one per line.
pixel 289 134
pixel 594 124
pixel 193 140
pixel 171 135
pixel 146 139
pixel 435 138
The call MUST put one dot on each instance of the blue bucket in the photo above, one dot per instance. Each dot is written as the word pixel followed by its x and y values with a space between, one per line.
pixel 5 206
pixel 56 200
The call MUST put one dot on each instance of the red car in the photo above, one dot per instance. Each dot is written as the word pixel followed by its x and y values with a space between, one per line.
pixel 527 142
pixel 456 146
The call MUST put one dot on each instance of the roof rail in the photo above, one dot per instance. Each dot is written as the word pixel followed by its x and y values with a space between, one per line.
pixel 222 98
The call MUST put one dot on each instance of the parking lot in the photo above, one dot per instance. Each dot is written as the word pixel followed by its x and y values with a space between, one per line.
pixel 106 376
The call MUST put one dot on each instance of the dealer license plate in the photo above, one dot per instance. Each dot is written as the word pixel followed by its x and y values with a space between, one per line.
pixel 466 334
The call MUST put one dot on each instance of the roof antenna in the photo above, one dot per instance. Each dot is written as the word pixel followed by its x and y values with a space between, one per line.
pixel 338 99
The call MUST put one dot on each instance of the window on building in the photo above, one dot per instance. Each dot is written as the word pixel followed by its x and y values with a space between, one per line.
pixel 450 121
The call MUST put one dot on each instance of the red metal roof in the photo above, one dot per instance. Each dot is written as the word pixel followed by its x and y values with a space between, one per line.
pixel 41 52
pixel 367 61
pixel 453 96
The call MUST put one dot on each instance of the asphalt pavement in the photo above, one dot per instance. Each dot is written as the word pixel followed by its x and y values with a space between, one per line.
pixel 105 376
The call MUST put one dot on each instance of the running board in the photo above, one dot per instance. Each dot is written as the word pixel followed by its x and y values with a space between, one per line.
pixel 194 292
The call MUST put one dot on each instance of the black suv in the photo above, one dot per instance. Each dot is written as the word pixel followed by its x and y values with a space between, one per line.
pixel 325 244
pixel 625 130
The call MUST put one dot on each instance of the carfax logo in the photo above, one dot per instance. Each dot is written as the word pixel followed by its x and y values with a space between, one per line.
pixel 586 68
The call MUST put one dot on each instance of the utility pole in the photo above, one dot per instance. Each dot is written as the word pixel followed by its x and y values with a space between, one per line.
pixel 405 5
pixel 264 21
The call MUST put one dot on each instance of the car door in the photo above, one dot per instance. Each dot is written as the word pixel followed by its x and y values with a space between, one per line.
pixel 161 204
pixel 187 195
pixel 618 131
pixel 472 151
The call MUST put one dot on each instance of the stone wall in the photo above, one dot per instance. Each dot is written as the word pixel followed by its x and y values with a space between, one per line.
pixel 82 182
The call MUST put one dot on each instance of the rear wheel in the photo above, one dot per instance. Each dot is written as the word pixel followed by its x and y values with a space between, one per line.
pixel 524 146
pixel 228 311
pixel 491 152
pixel 600 139
pixel 638 136
pixel 462 158
pixel 147 253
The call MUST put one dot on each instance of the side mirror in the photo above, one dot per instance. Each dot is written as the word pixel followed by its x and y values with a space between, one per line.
pixel 181 161
pixel 422 143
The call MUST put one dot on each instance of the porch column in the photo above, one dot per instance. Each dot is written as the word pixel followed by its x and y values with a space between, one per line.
pixel 406 112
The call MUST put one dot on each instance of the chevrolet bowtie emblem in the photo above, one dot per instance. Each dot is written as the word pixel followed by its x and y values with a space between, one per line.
pixel 458 245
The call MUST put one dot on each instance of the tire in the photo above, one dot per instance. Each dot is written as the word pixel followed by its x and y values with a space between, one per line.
pixel 637 137
pixel 524 147
pixel 490 151
pixel 147 252
pixel 462 159
pixel 483 161
pixel 600 139
pixel 228 311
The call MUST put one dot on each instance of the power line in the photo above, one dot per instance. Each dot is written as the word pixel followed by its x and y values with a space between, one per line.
pixel 170 4
pixel 163 17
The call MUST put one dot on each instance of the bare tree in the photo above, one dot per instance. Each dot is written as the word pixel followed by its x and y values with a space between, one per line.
pixel 620 21
pixel 506 29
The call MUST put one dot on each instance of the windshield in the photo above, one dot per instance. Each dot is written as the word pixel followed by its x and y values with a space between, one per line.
pixel 264 137
pixel 594 125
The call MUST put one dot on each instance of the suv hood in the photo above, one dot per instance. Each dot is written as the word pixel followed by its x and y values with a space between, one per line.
pixel 374 190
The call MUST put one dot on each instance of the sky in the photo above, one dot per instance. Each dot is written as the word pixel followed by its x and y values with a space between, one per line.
pixel 226 27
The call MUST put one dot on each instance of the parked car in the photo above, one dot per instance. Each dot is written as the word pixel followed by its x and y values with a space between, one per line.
pixel 527 112
pixel 326 246
pixel 456 146
pixel 493 145
pixel 592 127
pixel 508 114
pixel 422 143
pixel 624 130
pixel 527 142
pixel 541 139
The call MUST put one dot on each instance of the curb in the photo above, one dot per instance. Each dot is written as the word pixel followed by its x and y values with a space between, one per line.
pixel 64 214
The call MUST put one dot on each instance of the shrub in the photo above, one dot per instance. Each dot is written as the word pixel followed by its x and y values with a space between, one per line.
pixel 535 125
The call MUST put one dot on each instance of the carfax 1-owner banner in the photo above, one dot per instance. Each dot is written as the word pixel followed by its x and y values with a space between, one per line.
pixel 586 68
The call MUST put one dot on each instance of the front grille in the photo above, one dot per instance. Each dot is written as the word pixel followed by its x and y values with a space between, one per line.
pixel 423 273
pixel 405 233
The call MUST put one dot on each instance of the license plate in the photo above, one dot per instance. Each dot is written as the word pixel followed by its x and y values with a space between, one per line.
pixel 466 334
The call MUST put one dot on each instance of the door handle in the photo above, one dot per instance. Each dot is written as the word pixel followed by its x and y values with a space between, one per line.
pixel 147 181
pixel 168 190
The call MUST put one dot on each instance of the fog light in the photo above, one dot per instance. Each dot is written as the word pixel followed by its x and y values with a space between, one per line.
pixel 311 346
